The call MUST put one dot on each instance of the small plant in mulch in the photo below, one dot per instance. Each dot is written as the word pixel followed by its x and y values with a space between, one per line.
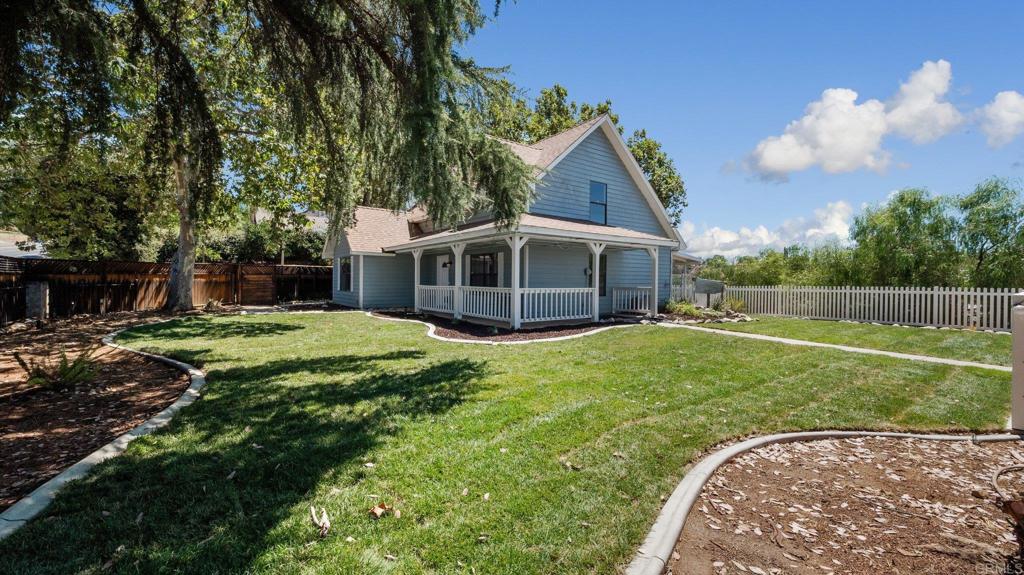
pixel 213 305
pixel 60 373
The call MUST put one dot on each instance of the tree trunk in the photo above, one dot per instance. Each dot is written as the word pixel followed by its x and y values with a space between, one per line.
pixel 179 291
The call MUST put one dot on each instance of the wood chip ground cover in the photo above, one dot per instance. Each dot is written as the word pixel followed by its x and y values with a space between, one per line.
pixel 870 505
pixel 44 431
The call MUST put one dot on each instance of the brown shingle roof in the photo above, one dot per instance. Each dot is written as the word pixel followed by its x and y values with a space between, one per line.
pixel 376 228
pixel 543 222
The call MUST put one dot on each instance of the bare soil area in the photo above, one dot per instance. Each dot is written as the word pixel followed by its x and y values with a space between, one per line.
pixel 870 505
pixel 43 431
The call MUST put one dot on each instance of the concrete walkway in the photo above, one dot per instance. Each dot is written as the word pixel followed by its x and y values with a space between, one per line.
pixel 864 350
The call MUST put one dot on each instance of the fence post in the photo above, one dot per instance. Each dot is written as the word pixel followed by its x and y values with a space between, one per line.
pixel 1017 325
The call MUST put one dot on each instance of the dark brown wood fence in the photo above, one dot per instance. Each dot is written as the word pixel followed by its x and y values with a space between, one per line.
pixel 77 287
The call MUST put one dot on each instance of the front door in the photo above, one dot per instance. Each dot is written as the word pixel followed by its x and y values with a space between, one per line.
pixel 442 270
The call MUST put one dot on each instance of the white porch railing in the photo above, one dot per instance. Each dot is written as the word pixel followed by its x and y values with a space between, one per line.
pixel 557 304
pixel 437 298
pixel 631 299
pixel 487 302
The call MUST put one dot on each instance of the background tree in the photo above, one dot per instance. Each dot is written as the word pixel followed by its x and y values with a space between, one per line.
pixel 992 234
pixel 908 241
pixel 378 87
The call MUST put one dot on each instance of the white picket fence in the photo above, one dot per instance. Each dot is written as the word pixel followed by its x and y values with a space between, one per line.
pixel 976 308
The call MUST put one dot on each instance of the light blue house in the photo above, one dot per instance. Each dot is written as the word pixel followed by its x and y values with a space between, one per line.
pixel 594 241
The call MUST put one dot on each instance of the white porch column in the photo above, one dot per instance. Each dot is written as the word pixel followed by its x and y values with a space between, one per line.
pixel 1017 388
pixel 595 280
pixel 516 243
pixel 458 248
pixel 416 255
pixel 653 252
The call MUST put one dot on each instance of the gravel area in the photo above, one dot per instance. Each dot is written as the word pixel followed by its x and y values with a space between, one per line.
pixel 44 431
pixel 873 505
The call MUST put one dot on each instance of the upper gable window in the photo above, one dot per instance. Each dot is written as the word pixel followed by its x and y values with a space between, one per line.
pixel 599 202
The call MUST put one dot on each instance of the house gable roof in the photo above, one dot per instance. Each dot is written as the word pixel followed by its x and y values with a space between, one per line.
pixel 604 123
pixel 543 155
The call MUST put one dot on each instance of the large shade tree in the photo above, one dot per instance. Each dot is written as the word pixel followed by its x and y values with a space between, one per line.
pixel 377 88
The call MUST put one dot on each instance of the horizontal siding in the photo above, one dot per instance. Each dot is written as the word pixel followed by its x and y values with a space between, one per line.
pixel 345 298
pixel 565 190
pixel 562 266
pixel 387 281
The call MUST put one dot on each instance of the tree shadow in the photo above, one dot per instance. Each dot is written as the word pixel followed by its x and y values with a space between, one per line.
pixel 206 327
pixel 207 496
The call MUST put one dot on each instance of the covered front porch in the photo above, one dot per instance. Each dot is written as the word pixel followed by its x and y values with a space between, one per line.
pixel 531 280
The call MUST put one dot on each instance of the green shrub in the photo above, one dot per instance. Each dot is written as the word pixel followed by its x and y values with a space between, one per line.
pixel 62 374
pixel 735 304
pixel 682 308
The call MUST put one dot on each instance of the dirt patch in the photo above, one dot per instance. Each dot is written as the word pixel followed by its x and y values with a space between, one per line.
pixel 44 431
pixel 869 505
pixel 465 330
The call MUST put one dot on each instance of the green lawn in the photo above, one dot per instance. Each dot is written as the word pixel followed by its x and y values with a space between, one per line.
pixel 991 348
pixel 575 442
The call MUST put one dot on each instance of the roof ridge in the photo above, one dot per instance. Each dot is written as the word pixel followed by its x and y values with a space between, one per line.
pixel 513 142
pixel 589 122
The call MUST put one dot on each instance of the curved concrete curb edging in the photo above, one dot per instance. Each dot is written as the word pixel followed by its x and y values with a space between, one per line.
pixel 34 503
pixel 653 555
pixel 431 332
pixel 852 349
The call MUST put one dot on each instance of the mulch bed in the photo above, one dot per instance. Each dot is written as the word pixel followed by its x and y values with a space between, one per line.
pixel 44 431
pixel 465 330
pixel 869 505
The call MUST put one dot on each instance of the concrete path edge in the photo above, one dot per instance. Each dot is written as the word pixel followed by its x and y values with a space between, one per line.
pixel 653 555
pixel 17 515
pixel 848 348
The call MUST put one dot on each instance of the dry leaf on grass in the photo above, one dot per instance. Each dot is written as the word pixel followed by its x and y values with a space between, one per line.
pixel 323 523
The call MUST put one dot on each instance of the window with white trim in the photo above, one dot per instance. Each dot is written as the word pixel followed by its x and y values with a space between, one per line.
pixel 483 270
pixel 598 202
pixel 345 274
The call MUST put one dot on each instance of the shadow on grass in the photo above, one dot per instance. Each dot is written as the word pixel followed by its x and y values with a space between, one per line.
pixel 208 328
pixel 209 495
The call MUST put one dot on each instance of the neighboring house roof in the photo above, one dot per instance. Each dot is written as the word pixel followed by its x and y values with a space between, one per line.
pixel 318 221
pixel 9 246
pixel 536 225
pixel 685 257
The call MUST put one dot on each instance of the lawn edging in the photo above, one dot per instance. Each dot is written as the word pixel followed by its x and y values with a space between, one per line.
pixel 654 553
pixel 17 515
pixel 431 332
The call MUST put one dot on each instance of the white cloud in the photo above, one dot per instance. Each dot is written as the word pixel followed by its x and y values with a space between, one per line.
pixel 1002 119
pixel 919 111
pixel 831 223
pixel 839 135
pixel 835 133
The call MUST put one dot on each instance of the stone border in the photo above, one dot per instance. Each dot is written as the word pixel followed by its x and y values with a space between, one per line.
pixel 653 555
pixel 17 515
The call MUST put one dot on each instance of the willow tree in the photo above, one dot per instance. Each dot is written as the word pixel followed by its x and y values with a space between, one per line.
pixel 379 87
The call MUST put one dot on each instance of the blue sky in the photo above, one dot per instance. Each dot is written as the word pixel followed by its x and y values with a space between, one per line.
pixel 714 80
